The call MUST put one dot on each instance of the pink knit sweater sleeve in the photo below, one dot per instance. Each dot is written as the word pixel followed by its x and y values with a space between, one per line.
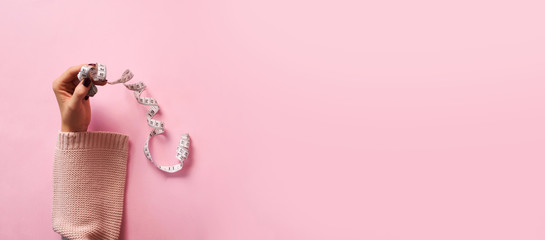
pixel 88 184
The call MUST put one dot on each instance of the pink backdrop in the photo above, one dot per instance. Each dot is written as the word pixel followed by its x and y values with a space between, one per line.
pixel 309 119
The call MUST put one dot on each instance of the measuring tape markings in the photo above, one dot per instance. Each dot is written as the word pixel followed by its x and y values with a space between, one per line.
pixel 84 73
pixel 99 73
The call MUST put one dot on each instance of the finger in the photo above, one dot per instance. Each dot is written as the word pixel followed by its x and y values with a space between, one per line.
pixel 70 74
pixel 64 84
pixel 81 90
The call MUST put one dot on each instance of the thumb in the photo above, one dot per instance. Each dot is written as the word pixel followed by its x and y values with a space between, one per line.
pixel 81 90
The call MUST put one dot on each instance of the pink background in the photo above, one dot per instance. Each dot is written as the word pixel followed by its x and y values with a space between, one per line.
pixel 309 119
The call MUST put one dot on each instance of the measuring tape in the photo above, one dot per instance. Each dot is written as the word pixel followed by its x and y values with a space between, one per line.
pixel 98 73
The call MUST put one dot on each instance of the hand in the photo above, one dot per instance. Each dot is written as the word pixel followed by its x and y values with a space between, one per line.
pixel 73 102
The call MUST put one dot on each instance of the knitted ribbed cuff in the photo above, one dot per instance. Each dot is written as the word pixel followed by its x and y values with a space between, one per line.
pixel 86 140
pixel 89 174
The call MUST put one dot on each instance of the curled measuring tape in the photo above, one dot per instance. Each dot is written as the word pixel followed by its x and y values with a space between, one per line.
pixel 98 73
pixel 86 72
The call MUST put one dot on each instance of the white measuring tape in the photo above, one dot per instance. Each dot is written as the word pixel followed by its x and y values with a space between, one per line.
pixel 98 73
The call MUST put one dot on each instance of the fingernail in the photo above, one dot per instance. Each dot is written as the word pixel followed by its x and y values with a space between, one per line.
pixel 86 82
pixel 91 64
pixel 86 97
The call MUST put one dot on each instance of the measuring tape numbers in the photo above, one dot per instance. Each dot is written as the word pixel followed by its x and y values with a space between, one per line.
pixel 98 73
